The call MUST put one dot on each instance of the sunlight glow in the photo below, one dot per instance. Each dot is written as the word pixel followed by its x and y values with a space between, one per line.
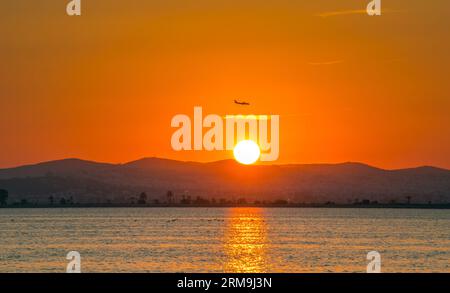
pixel 246 152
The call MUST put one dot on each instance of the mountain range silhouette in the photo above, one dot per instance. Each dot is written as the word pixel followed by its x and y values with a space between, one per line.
pixel 92 182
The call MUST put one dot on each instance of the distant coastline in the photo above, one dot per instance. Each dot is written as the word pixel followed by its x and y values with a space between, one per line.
pixel 156 182
pixel 269 205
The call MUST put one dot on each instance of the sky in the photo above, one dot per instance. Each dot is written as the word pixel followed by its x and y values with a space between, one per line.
pixel 104 86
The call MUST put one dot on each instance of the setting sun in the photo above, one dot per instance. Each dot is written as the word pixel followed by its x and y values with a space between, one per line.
pixel 246 152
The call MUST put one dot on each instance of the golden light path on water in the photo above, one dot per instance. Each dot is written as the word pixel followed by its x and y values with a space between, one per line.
pixel 245 241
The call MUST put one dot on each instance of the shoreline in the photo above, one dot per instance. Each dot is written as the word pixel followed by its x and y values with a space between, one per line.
pixel 347 206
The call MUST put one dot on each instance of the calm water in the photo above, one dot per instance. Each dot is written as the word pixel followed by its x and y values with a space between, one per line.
pixel 224 240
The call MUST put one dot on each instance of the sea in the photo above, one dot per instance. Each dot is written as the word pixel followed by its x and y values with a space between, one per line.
pixel 241 240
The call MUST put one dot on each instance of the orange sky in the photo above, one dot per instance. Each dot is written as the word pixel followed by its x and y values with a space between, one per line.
pixel 104 86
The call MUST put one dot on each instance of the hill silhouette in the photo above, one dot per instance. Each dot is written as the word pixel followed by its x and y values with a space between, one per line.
pixel 92 182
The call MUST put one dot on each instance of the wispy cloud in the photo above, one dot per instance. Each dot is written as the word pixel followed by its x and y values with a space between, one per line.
pixel 342 12
pixel 332 62
pixel 352 11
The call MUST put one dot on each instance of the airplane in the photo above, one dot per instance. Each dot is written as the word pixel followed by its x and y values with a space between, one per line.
pixel 241 103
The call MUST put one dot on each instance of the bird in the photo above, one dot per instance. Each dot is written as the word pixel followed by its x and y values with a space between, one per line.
pixel 241 103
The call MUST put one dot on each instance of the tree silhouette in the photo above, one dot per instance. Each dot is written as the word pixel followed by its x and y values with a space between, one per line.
pixel 3 197
pixel 169 196
pixel 185 199
pixel 142 198
pixel 51 199
pixel 408 199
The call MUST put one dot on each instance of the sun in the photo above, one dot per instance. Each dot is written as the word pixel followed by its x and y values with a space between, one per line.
pixel 246 152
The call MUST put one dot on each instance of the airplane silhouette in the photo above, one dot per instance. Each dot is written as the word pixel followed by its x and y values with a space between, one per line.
pixel 241 103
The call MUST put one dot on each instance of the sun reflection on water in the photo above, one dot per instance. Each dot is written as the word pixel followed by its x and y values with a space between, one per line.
pixel 245 241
